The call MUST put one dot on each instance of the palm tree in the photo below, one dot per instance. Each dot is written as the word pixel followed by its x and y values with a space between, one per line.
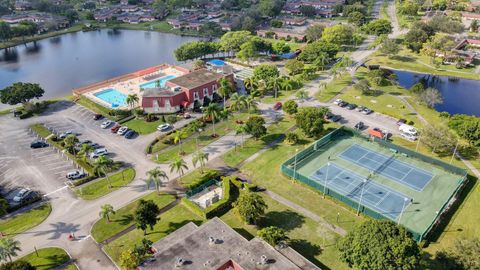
pixel 200 157
pixel 241 129
pixel 178 165
pixel 195 127
pixel 286 84
pixel 105 211
pixel 131 100
pixel 251 102
pixel 156 175
pixel 70 142
pixel 262 87
pixel 85 151
pixel 102 164
pixel 212 111
pixel 9 248
pixel 238 102
pixel 250 84
pixel 225 88
pixel 322 60
pixel 302 94
pixel 274 84
pixel 178 136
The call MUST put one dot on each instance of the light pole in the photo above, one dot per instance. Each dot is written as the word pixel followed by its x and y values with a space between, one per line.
pixel 403 209
pixel 295 165
pixel 364 182
pixel 326 177
pixel 454 151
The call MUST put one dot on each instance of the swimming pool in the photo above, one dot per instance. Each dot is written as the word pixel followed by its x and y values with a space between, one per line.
pixel 155 83
pixel 112 97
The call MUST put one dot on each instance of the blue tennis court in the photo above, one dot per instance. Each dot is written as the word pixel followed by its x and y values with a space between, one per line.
pixel 375 196
pixel 388 166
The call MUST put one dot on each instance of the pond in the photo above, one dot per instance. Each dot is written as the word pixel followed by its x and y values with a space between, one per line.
pixel 459 95
pixel 62 63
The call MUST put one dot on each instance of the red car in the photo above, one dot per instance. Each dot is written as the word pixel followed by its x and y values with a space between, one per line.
pixel 277 106
pixel 115 128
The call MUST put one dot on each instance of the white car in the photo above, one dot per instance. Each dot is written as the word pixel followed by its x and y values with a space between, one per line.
pixel 22 194
pixel 65 134
pixel 73 175
pixel 337 101
pixel 99 152
pixel 164 127
pixel 404 128
pixel 122 130
pixel 408 136
pixel 106 124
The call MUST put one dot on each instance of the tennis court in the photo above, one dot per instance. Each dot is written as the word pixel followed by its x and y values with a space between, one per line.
pixel 375 196
pixel 389 167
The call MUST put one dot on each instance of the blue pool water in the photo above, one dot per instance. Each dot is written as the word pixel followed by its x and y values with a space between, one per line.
pixel 153 83
pixel 112 97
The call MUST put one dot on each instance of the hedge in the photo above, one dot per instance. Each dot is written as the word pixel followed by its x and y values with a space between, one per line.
pixel 126 119
pixel 206 176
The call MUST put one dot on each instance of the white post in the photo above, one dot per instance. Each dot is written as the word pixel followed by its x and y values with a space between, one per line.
pixel 403 209
pixel 325 185
pixel 361 196
pixel 295 165
pixel 454 151
pixel 418 142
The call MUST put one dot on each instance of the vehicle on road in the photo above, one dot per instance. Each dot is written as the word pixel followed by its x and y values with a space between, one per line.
pixel 409 137
pixel 76 174
pixel 97 116
pixel 367 111
pixel 99 152
pixel 65 134
pixel 343 104
pixel 351 106
pixel 360 108
pixel 164 127
pixel 38 144
pixel 22 195
pixel 408 129
pixel 130 134
pixel 106 124
pixel 335 118
pixel 115 128
pixel 359 125
pixel 337 101
pixel 277 106
pixel 187 116
pixel 122 130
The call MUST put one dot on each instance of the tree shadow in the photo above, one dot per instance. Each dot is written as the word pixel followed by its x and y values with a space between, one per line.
pixel 125 219
pixel 403 58
pixel 244 233
pixel 287 220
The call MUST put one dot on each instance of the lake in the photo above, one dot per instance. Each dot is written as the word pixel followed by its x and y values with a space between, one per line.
pixel 459 96
pixel 62 63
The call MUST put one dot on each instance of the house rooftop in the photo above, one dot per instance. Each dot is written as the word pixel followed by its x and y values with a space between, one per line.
pixel 159 92
pixel 196 78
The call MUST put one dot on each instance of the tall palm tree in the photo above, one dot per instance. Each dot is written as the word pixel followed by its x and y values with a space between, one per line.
pixel 178 136
pixel 195 127
pixel 237 102
pixel 225 89
pixel 200 157
pixel 131 100
pixel 250 84
pixel 69 143
pixel 105 211
pixel 212 111
pixel 85 151
pixel 156 175
pixel 241 129
pixel 274 84
pixel 322 60
pixel 9 248
pixel 101 165
pixel 251 102
pixel 262 87
pixel 178 165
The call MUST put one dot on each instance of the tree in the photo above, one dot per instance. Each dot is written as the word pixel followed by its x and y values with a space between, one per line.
pixel 250 206
pixel 379 244
pixel 101 166
pixel 85 151
pixel 294 66
pixel 129 260
pixel 463 255
pixel 20 93
pixel 255 126
pixel 438 138
pixel 265 72
pixel 5 31
pixel 280 47
pixel 318 51
pixel 146 215
pixel 445 24
pixel 339 34
pixel 212 111
pixel 467 127
pixel 179 166
pixel 270 8
pixel 156 175
pixel 70 142
pixel 276 23
pixel 310 120
pixel 379 27
pixel 200 157
pixel 473 26
pixel 290 107
pixel 233 40
pixel 247 52
pixel 314 32
pixel 356 18
pixel 291 138
pixel 105 211
pixel 389 47
pixel 251 101
pixel 308 11
pixel 302 94
pixel 238 102
pixel 286 84
pixel 195 49
pixel 273 235
pixel 250 84
pixel 178 135
pixel 431 97
pixel 211 29
pixel 410 8
pixel 226 88
pixel 415 38
pixel 17 265
pixel 364 87
pixel 8 248
pixel 131 100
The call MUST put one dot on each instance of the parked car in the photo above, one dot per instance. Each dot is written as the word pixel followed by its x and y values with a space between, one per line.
pixel 22 195
pixel 97 116
pixel 359 125
pixel 408 129
pixel 343 104
pixel 99 152
pixel 408 136
pixel 74 175
pixel 337 101
pixel 401 121
pixel 360 108
pixel 130 134
pixel 335 118
pixel 328 115
pixel 164 127
pixel 115 128
pixel 351 106
pixel 106 124
pixel 38 144
pixel 85 142
pixel 65 134
pixel 122 130
pixel 367 111
pixel 95 145
pixel 277 106
pixel 187 116
pixel 384 132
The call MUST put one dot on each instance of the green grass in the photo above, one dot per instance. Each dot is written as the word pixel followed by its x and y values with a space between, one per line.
pixel 123 218
pixel 97 108
pixel 70 267
pixel 5 112
pixel 25 221
pixel 41 130
pixel 169 221
pixel 143 127
pixel 190 177
pixel 334 87
pixel 100 187
pixel 307 236
pixel 48 258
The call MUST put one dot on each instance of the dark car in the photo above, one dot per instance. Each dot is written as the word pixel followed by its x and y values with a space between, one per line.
pixel 130 134
pixel 351 106
pixel 401 121
pixel 277 106
pixel 328 115
pixel 95 145
pixel 38 144
pixel 343 104
pixel 367 111
pixel 359 125
pixel 115 128
pixel 336 118
pixel 97 116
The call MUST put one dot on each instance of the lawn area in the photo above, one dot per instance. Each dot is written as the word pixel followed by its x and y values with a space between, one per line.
pixel 100 187
pixel 97 108
pixel 190 177
pixel 48 258
pixel 169 221
pixel 143 127
pixel 123 218
pixel 25 221
pixel 307 236
pixel 334 87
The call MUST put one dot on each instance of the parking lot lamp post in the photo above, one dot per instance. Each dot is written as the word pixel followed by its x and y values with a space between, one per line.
pixel 454 152
pixel 326 177
pixel 295 165
pixel 403 209
pixel 361 196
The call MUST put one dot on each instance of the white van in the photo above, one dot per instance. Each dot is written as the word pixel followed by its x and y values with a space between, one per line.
pixel 99 152
pixel 404 128
pixel 409 136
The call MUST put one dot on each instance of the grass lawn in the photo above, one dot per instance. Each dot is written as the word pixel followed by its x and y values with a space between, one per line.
pixel 143 127
pixel 48 258
pixel 307 237
pixel 100 187
pixel 168 223
pixel 190 177
pixel 97 108
pixel 334 87
pixel 123 218
pixel 25 221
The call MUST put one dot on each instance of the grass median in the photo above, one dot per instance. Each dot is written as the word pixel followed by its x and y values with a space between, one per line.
pixel 25 221
pixel 123 218
pixel 48 258
pixel 143 127
pixel 101 187
pixel 97 108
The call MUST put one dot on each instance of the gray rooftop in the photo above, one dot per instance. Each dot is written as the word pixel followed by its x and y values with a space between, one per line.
pixel 158 92
pixel 196 78
pixel 192 244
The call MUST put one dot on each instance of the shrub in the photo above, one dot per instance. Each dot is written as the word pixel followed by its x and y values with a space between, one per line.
pixel 171 119
pixel 291 138
pixel 290 107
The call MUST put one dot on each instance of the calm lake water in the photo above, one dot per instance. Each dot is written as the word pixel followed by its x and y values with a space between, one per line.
pixel 460 96
pixel 62 63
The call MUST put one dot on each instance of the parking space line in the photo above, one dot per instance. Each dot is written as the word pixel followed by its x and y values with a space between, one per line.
pixel 55 191
pixel 56 168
